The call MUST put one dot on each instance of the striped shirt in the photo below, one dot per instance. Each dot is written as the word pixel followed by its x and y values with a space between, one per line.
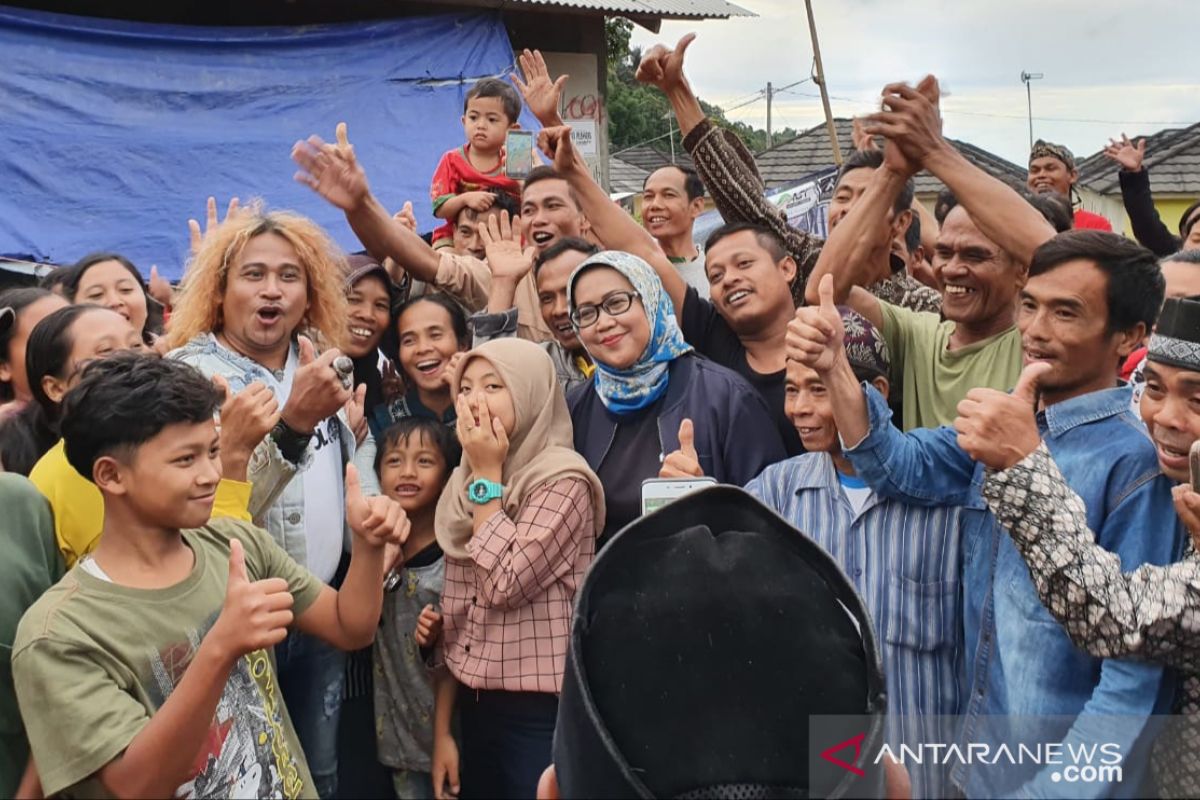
pixel 906 563
pixel 508 607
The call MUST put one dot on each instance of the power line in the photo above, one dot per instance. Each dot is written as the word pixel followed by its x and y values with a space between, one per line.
pixel 1069 119
pixel 1177 123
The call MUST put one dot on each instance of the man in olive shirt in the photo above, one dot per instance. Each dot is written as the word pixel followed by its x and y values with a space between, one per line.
pixel 981 259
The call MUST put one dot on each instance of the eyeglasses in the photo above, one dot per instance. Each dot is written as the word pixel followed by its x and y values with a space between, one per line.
pixel 614 305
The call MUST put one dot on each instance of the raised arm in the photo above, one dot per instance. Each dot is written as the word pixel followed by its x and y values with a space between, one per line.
pixel 911 119
pixel 509 264
pixel 615 229
pixel 333 172
pixel 721 159
pixel 925 467
pixel 664 68
pixel 1148 227
pixel 347 618
pixel 542 95
pixel 862 241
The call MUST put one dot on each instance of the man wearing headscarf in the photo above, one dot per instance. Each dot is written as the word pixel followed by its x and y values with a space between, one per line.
pixel 1052 169
pixel 1153 612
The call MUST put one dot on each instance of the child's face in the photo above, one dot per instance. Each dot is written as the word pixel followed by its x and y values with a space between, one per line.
pixel 413 472
pixel 485 124
pixel 171 480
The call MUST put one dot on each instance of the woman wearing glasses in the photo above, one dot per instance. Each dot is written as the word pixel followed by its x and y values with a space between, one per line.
pixel 648 382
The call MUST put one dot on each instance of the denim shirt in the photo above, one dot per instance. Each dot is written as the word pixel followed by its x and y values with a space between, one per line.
pixel 276 500
pixel 1020 661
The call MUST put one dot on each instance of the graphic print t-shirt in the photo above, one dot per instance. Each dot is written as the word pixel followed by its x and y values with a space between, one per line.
pixel 93 661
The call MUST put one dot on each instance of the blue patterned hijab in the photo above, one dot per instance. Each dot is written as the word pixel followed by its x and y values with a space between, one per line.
pixel 624 391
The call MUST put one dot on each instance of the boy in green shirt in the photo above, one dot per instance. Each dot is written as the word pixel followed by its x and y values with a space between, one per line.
pixel 147 670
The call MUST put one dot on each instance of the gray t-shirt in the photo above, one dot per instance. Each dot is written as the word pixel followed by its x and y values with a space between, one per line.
pixel 403 681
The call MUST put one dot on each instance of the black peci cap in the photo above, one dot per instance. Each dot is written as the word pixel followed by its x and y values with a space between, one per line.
pixel 704 637
pixel 1176 339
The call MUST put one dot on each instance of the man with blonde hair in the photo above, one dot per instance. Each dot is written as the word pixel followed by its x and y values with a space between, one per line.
pixel 259 286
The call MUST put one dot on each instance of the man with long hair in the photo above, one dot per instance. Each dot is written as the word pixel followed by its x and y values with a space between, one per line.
pixel 261 289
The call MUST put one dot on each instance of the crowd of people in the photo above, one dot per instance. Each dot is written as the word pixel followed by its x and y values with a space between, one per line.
pixel 317 524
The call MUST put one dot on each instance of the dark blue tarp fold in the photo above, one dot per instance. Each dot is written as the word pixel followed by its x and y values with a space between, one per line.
pixel 115 132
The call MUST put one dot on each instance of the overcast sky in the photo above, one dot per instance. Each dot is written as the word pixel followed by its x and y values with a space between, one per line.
pixel 1109 66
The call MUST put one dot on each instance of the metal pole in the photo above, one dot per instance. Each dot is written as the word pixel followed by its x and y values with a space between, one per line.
pixel 1029 101
pixel 1027 78
pixel 819 79
pixel 769 94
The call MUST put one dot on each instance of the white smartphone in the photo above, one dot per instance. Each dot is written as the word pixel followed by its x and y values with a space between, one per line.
pixel 658 492
pixel 518 154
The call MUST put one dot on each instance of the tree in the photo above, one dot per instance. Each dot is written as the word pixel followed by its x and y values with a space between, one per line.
pixel 639 114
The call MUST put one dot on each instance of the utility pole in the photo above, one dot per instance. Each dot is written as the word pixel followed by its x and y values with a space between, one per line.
pixel 770 94
pixel 819 79
pixel 1026 78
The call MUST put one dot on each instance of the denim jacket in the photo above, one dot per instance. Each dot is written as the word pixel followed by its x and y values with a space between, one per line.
pixel 277 501
pixel 1021 664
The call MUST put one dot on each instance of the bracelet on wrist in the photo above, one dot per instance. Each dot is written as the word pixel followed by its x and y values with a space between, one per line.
pixel 291 442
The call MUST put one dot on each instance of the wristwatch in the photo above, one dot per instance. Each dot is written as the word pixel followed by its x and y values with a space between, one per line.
pixel 481 490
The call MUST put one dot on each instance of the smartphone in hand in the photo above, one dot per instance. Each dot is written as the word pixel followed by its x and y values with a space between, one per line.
pixel 658 492
pixel 518 154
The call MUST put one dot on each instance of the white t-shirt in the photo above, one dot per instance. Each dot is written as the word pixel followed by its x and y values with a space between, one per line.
pixel 693 274
pixel 324 501
pixel 856 491
pixel 324 490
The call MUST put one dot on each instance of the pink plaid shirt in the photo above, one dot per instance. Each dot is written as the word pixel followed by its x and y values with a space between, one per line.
pixel 508 608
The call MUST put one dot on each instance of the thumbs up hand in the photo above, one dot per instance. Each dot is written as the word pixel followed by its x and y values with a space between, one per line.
pixel 246 418
pixel 256 614
pixel 815 335
pixel 376 521
pixel 1000 429
pixel 684 462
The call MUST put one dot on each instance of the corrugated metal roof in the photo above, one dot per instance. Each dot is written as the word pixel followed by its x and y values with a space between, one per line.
pixel 668 9
pixel 625 177
pixel 649 158
pixel 811 152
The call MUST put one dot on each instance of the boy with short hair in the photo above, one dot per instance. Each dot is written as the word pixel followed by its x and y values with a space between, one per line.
pixel 147 670
pixel 466 175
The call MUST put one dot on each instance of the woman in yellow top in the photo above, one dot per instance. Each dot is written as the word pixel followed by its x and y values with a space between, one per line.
pixel 59 348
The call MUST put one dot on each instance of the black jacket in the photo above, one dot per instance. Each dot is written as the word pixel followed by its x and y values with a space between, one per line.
pixel 1148 227
pixel 735 435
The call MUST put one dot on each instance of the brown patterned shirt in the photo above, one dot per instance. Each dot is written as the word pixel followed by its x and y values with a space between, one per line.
pixel 729 173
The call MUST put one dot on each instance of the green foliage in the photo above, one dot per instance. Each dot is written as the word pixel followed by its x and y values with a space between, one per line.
pixel 638 113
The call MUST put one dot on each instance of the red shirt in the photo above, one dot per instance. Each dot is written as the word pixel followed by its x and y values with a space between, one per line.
pixel 455 175
pixel 1086 220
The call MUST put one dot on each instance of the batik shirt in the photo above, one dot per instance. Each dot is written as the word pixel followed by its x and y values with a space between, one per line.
pixel 1151 613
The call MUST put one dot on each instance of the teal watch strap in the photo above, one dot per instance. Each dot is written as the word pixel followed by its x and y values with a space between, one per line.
pixel 481 490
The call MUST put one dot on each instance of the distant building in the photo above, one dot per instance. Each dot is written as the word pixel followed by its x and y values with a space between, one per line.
pixel 1173 160
pixel 812 151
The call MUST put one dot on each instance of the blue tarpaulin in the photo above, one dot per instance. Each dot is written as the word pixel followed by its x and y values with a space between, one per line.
pixel 116 132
